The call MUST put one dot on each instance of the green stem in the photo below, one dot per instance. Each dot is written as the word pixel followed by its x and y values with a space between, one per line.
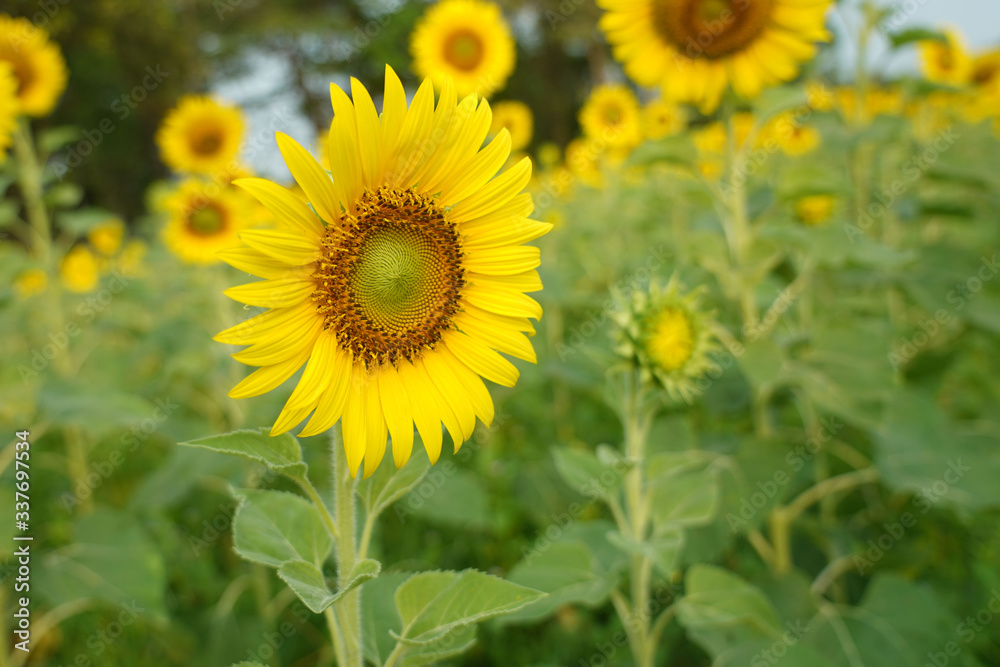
pixel 324 512
pixel 636 427
pixel 348 608
pixel 30 179
pixel 335 633
pixel 737 222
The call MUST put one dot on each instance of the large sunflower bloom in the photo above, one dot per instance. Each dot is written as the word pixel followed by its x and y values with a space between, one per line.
pixel 399 282
pixel 694 49
pixel 466 41
pixel 38 65
pixel 946 61
pixel 201 136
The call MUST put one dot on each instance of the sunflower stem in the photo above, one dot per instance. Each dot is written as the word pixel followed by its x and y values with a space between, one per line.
pixel 737 227
pixel 348 608
pixel 29 174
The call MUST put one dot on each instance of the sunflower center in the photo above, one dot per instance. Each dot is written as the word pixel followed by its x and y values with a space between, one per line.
pixel 207 143
pixel 710 28
pixel 206 221
pixel 464 49
pixel 671 342
pixel 391 275
pixel 24 73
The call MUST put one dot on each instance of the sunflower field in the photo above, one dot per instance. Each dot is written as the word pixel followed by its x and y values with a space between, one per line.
pixel 547 333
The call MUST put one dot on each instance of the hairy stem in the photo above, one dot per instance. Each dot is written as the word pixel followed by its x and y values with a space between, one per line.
pixel 348 608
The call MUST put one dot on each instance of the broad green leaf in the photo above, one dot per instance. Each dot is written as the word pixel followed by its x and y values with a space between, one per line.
pixel 919 449
pixel 272 527
pixel 389 484
pixel 247 664
pixel 568 572
pixel 585 474
pixel 719 610
pixel 309 584
pixel 450 645
pixel 111 559
pixel 379 618
pixel 281 453
pixel 668 464
pixel 689 499
pixel 663 550
pixel 432 604
pixel 898 622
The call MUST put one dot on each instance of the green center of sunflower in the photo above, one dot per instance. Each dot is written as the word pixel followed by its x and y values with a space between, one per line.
pixel 390 279
pixel 206 221
pixel 710 28
pixel 464 49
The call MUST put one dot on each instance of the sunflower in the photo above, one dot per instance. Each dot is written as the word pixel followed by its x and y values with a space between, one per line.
pixel 38 65
pixel 400 282
pixel 984 72
pixel 792 136
pixel 945 60
pixel 8 107
pixel 467 41
pixel 30 283
pixel 662 119
pixel 80 270
pixel 204 219
pixel 515 117
pixel 201 136
pixel 694 49
pixel 665 333
pixel 814 210
pixel 611 114
pixel 107 236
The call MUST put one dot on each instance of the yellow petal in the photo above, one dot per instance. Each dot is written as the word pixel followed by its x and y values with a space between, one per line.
pixel 529 281
pixel 254 262
pixel 398 413
pixel 274 350
pixel 278 293
pixel 504 339
pixel 369 135
pixel 266 378
pixel 286 207
pixel 503 301
pixel 311 178
pixel 290 247
pixel 262 326
pixel 393 112
pixel 481 359
pixel 502 261
pixel 375 429
pixel 495 194
pixel 355 421
pixel 331 404
pixel 514 232
pixel 424 406
pixel 413 147
pixel 452 393
pixel 317 376
pixel 478 395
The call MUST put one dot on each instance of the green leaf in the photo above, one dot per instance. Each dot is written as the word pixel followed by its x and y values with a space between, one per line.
pixel 568 572
pixel 112 560
pixel 307 581
pixel 272 527
pixel 389 484
pixel 450 645
pixel 663 550
pixel 582 471
pixel 53 139
pixel 379 618
pixel 688 499
pixel 433 604
pixel 904 37
pixel 247 664
pixel 64 195
pixel 720 610
pixel 281 453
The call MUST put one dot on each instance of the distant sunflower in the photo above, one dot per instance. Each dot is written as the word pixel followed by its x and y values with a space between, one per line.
pixel 984 73
pixel 662 119
pixel 694 49
pixel 611 114
pixel 515 117
pixel 945 61
pixel 38 65
pixel 668 336
pixel 204 219
pixel 30 283
pixel 8 107
pixel 399 283
pixel 107 236
pixel 467 41
pixel 814 210
pixel 200 136
pixel 80 270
